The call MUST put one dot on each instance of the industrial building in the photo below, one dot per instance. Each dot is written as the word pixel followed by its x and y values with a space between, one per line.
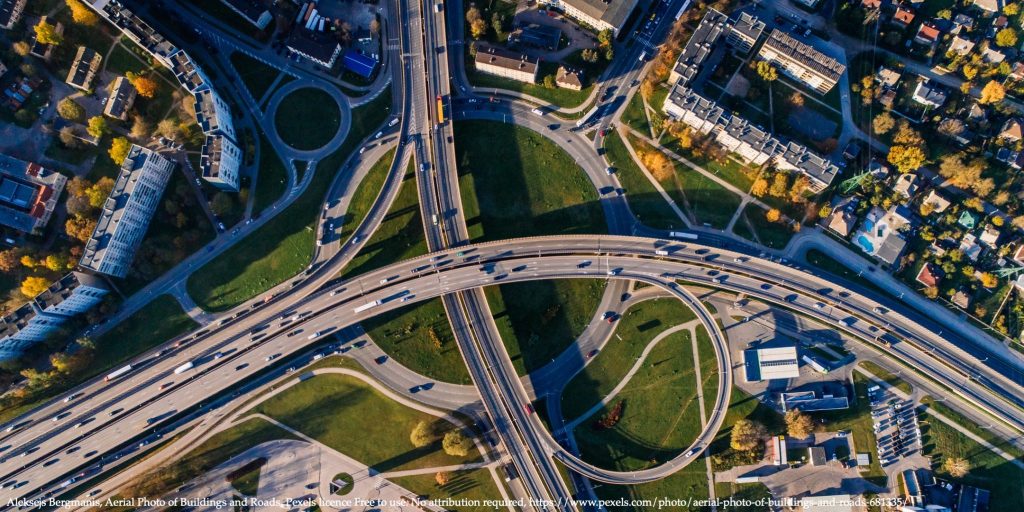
pixel 771 363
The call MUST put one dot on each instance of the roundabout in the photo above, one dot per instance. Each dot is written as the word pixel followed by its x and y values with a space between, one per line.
pixel 309 119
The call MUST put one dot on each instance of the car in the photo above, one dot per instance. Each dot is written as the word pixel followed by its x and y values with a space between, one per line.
pixel 607 315
pixel 819 305
pixel 271 357
pixel 528 408
pixel 94 492
pixel 72 397
pixel 624 297
pixel 615 271
pixel 163 386
pixel 583 264
pixel 393 122
pixel 220 226
pixel 766 286
pixel 591 354
pixel 609 171
pixel 293 333
pixel 115 412
pixel 241 367
pixel 381 359
pixel 377 136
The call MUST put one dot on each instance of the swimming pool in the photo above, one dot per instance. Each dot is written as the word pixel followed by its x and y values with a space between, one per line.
pixel 865 244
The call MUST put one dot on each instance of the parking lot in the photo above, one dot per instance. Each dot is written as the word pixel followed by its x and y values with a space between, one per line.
pixel 895 425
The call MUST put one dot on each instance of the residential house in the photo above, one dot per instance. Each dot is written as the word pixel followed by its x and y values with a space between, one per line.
pixel 962 22
pixel 961 299
pixel 888 78
pixel 993 55
pixel 1013 129
pixel 506 64
pixel 930 275
pixel 42 50
pixel 903 16
pixel 843 216
pixel 926 34
pixel 567 78
pixel 961 45
pixel 929 95
pixel 122 97
pixel 967 220
pixel 84 68
pixel 888 97
pixel 1016 72
pixel 871 4
pixel 1018 255
pixel 990 6
pixel 977 113
pixel 990 236
pixel 939 203
pixel 880 235
pixel 969 246
pixel 906 185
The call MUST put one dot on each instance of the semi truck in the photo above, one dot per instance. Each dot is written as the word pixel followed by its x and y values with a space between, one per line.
pixel 184 368
pixel 684 235
pixel 120 372
pixel 366 306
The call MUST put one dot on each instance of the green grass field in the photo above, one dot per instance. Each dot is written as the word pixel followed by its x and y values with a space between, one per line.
pixel 208 455
pixel 350 416
pixel 307 119
pixel 772 234
pixel 689 482
pixel 973 427
pixel 634 115
pixel 637 327
pixel 400 235
pixel 157 322
pixel 405 335
pixel 515 182
pixel 475 484
pixel 538 320
pixel 284 245
pixel 272 178
pixel 708 368
pixel 660 414
pixel 645 201
pixel 988 470
pixel 563 98
pixel 257 76
pixel 888 377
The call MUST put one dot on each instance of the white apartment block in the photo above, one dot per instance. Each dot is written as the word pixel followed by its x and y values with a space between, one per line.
pixel 220 162
pixel 73 294
pixel 801 62
pixel 506 64
pixel 127 212
pixel 598 14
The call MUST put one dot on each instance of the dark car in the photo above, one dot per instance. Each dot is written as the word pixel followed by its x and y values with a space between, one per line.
pixel 381 359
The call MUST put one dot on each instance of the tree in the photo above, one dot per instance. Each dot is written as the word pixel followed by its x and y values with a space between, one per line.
pixel 796 99
pixel 773 215
pixel 145 86
pixel 70 109
pixel 549 82
pixel 477 26
pixel 80 228
pixel 46 33
pixel 168 128
pixel 604 37
pixel 82 14
pixel 993 92
pixel 442 478
pixel 798 424
pixel 421 435
pixel 906 134
pixel 883 123
pixel 646 89
pixel 21 48
pixel 1006 37
pixel 34 285
pixel 906 158
pixel 67 137
pixel 944 14
pixel 57 262
pixel 609 54
pixel 951 127
pixel 98 192
pixel 780 185
pixel 589 55
pixel 956 467
pixel 766 71
pixel 119 149
pixel 1011 9
pixel 456 444
pixel 989 280
pixel 375 26
pixel 140 128
pixel 98 126
pixel 746 435
pixel 28 261
pixel 759 188
pixel 969 71
pixel 9 260
pixel 658 164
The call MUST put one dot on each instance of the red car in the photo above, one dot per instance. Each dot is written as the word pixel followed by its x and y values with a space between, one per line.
pixel 528 408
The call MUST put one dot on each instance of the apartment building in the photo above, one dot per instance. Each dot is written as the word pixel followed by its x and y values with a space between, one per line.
pixel 84 68
pixel 801 62
pixel 597 14
pixel 127 212
pixel 220 161
pixel 35 321
pixel 10 12
pixel 122 97
pixel 506 64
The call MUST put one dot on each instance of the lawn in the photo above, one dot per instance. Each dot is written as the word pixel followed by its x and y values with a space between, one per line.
pixel 157 322
pixel 307 119
pixel 284 245
pixel 635 116
pixel 123 59
pixel 637 327
pixel 408 335
pixel 515 182
pixel 400 235
pixel 741 406
pixel 538 320
pixel 257 76
pixel 887 377
pixel 988 470
pixel 559 97
pixel 208 455
pixel 475 485
pixel 705 198
pixel 660 414
pixel 708 369
pixel 366 194
pixel 972 426
pixel 272 177
pixel 772 234
pixel 352 417
pixel 690 482
pixel 647 204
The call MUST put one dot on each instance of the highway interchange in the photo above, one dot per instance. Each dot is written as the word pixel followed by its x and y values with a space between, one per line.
pixel 102 420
